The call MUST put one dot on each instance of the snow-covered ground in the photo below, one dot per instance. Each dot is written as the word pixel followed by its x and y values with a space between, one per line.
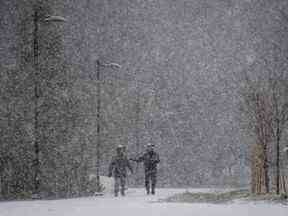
pixel 136 203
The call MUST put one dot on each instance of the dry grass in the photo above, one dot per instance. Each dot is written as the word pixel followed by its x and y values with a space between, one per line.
pixel 225 197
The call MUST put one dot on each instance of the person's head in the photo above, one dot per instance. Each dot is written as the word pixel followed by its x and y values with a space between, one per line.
pixel 149 147
pixel 120 149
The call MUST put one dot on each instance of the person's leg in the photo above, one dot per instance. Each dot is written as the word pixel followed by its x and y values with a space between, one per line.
pixel 153 181
pixel 147 182
pixel 116 186
pixel 123 183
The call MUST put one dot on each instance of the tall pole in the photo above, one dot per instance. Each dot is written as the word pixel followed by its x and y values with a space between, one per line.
pixel 36 177
pixel 98 110
pixel 98 115
pixel 137 128
pixel 36 144
pixel 137 121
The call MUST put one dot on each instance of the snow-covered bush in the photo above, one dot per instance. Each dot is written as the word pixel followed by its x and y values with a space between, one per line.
pixel 106 183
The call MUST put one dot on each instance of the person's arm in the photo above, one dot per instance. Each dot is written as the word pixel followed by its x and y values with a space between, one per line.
pixel 111 167
pixel 129 166
pixel 157 158
pixel 139 159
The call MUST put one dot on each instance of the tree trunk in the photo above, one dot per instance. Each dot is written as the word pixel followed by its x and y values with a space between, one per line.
pixel 284 184
pixel 265 169
pixel 257 170
pixel 278 159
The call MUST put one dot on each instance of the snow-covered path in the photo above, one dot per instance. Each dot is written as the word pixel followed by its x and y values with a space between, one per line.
pixel 135 204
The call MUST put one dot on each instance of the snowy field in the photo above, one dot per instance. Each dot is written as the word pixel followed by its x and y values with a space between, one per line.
pixel 137 204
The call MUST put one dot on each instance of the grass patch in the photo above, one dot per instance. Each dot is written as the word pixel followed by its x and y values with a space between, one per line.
pixel 278 198
pixel 225 197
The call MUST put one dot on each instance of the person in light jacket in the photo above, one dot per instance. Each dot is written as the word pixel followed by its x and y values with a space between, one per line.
pixel 118 170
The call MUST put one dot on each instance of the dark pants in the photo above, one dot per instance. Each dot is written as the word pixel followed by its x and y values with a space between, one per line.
pixel 150 181
pixel 120 182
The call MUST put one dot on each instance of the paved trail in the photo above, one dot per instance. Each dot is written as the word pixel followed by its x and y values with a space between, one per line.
pixel 136 203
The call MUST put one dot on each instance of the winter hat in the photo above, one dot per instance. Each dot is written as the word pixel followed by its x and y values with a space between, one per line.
pixel 120 146
pixel 150 145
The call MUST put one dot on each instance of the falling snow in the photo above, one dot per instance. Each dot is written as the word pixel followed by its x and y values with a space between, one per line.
pixel 204 81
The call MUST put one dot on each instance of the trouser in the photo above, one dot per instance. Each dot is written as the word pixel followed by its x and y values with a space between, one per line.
pixel 120 182
pixel 150 181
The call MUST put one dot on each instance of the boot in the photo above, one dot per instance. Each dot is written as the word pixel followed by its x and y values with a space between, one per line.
pixel 123 192
pixel 147 186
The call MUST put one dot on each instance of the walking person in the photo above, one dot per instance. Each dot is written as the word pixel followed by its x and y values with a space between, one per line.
pixel 150 160
pixel 118 169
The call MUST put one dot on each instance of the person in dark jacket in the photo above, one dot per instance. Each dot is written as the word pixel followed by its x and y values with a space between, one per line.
pixel 150 160
pixel 118 169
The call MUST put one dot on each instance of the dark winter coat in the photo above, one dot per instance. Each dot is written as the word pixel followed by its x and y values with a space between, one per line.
pixel 118 166
pixel 150 160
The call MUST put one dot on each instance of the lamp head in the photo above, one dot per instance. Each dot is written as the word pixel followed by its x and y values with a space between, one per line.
pixel 55 19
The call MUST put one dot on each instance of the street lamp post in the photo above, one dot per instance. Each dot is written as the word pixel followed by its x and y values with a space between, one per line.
pixel 98 115
pixel 36 20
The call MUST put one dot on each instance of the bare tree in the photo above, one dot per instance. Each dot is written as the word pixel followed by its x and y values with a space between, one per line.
pixel 257 107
